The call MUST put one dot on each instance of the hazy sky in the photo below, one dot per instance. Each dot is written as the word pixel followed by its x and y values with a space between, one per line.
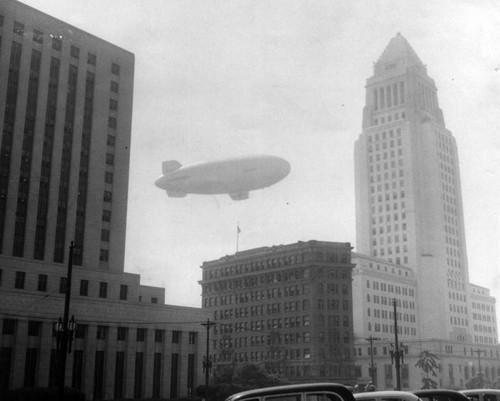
pixel 217 79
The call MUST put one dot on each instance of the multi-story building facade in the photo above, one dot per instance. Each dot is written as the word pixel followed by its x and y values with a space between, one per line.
pixel 376 284
pixel 410 233
pixel 484 323
pixel 287 308
pixel 65 113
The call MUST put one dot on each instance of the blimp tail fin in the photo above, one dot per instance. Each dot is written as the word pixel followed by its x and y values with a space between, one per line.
pixel 170 165
pixel 239 196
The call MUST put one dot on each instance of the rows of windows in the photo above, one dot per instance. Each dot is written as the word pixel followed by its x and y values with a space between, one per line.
pixel 377 327
pixel 110 164
pixel 47 156
pixel 482 306
pixel 387 197
pixel 34 328
pixel 390 288
pixel 27 152
pixel 484 328
pixel 389 314
pixel 270 263
pixel 389 117
pixel 8 132
pixel 42 285
pixel 81 207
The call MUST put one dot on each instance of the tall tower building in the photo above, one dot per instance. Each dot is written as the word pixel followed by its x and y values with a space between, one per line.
pixel 65 118
pixel 408 197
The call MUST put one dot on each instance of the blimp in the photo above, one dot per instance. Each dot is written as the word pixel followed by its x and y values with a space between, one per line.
pixel 235 177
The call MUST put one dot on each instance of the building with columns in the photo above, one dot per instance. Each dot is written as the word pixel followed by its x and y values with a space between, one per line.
pixel 65 118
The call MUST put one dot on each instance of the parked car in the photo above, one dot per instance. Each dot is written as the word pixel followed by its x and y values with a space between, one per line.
pixel 388 395
pixel 482 394
pixel 297 392
pixel 440 395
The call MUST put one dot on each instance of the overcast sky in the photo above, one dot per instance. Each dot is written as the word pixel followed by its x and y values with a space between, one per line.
pixel 217 79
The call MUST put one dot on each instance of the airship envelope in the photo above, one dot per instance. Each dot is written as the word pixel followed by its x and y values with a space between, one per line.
pixel 235 177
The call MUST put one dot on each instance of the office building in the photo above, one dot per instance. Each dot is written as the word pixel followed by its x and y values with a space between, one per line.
pixel 65 114
pixel 287 308
pixel 410 234
pixel 408 195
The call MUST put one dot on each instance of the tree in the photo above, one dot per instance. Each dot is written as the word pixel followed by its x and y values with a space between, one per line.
pixel 478 381
pixel 253 376
pixel 427 363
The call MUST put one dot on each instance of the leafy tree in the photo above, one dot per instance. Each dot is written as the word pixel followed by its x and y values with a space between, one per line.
pixel 253 376
pixel 478 381
pixel 427 363
pixel 232 378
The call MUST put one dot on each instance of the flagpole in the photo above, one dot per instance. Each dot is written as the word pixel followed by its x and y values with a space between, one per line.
pixel 237 236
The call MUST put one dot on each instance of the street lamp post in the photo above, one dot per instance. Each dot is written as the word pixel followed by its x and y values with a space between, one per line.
pixel 65 329
pixel 207 361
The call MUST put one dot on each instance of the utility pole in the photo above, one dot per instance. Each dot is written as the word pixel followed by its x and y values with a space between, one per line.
pixel 371 339
pixel 207 361
pixel 479 373
pixel 397 354
pixel 65 329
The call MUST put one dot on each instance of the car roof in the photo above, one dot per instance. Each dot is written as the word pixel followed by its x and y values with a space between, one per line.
pixel 481 390
pixel 342 390
pixel 387 394
pixel 440 392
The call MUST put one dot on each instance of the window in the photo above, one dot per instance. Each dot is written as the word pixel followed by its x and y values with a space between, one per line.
pixel 18 28
pixel 102 332
pixel 20 278
pixel 159 335
pixel 154 300
pixel 112 122
pixel 114 87
pixel 81 330
pixel 106 215
pixel 42 282
pixel 37 36
pixel 34 328
pixel 56 43
pixel 123 291
pixel 105 235
pixel 108 196
pixel 192 337
pixel 63 282
pixel 176 337
pixel 141 335
pixel 9 326
pixel 121 334
pixel 111 140
pixel 103 290
pixel 84 288
pixel 115 69
pixel 110 159
pixel 91 59
pixel 113 104
pixel 104 255
pixel 75 51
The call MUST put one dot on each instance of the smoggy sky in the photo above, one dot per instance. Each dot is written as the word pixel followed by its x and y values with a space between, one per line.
pixel 218 79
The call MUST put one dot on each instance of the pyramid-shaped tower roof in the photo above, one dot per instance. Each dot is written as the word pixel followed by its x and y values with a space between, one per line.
pixel 399 49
